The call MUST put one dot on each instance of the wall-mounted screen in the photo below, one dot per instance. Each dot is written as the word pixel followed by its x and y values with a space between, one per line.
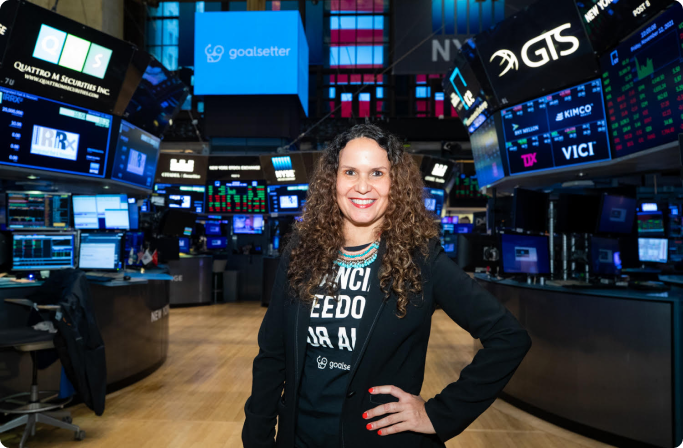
pixel 541 49
pixel 644 86
pixel 287 198
pixel 136 156
pixel 49 135
pixel 38 210
pixel 183 169
pixel 561 129
pixel 465 93
pixel 235 168
pixel 436 172
pixel 236 197
pixel 488 160
pixel 248 224
pixel 284 169
pixel 53 56
pixel 188 197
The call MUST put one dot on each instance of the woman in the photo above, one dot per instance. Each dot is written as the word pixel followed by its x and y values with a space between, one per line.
pixel 348 324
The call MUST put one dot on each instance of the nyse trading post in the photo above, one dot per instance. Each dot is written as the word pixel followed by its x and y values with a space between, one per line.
pixel 562 129
pixel 49 135
pixel 644 85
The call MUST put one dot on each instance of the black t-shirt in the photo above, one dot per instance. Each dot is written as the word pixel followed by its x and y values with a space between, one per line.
pixel 329 350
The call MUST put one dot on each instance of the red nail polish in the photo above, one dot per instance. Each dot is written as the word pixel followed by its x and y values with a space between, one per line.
pixel 370 390
pixel 379 432
pixel 365 415
pixel 369 426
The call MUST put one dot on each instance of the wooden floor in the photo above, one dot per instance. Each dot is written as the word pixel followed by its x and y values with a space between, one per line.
pixel 196 399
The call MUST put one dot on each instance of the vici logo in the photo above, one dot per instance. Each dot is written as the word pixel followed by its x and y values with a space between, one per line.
pixel 578 151
pixel 582 111
pixel 545 53
pixel 182 165
pixel 439 170
pixel 529 159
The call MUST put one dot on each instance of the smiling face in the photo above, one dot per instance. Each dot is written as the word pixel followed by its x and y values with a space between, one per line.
pixel 363 184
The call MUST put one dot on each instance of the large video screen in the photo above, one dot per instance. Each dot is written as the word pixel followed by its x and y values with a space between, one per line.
pixel 56 57
pixel 488 160
pixel 287 198
pixel 541 49
pixel 644 86
pixel 188 197
pixel 562 129
pixel 251 53
pixel 236 197
pixel 137 153
pixel 49 135
pixel 607 22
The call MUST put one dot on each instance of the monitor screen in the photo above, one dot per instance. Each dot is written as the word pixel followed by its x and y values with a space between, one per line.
pixel 565 128
pixel 577 213
pixel 604 256
pixel 617 214
pixel 530 210
pixel 38 210
pixel 644 80
pixel 488 160
pixel 100 251
pixel 49 135
pixel 213 228
pixel 90 212
pixel 433 200
pixel 188 197
pixel 184 245
pixel 134 248
pixel 653 250
pixel 287 198
pixel 136 156
pixel 134 216
pixel 43 251
pixel 249 224
pixel 650 223
pixel 675 221
pixel 236 196
pixel 450 219
pixel 676 250
pixel 216 242
pixel 523 254
pixel 463 228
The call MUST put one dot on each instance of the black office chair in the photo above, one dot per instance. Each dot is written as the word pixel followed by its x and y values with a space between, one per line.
pixel 35 406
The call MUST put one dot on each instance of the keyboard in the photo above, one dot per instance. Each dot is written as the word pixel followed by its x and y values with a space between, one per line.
pixel 103 278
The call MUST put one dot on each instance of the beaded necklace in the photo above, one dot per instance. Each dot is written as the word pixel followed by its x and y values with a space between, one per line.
pixel 360 260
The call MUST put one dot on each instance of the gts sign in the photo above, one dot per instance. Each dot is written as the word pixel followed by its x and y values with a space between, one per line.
pixel 542 54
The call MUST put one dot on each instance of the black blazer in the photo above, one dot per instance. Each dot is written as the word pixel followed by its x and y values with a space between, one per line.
pixel 389 351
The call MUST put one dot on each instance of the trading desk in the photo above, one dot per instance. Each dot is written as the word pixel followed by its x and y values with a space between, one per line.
pixel 134 321
pixel 606 363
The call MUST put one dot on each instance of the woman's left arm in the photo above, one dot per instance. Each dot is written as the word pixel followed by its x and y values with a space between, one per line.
pixel 505 343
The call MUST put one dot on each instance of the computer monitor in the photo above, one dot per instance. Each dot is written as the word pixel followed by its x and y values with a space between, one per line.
pixel 283 199
pixel 605 256
pixel 450 219
pixel 650 223
pixel 577 213
pixel 117 219
pixel 477 251
pixel 90 212
pixel 525 254
pixel 676 250
pixel 184 245
pixel 616 214
pixel 247 224
pixel 216 242
pixel 463 228
pixel 133 215
pixel 33 210
pixel 653 250
pixel 43 251
pixel 530 210
pixel 675 221
pixel 101 251
pixel 213 228
pixel 177 222
pixel 434 200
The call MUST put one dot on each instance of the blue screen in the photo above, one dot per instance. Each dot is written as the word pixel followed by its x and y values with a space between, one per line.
pixel 212 228
pixel 524 254
pixel 603 253
pixel 43 251
pixel 653 250
pixel 434 200
pixel 100 251
pixel 133 216
pixel 184 245
pixel 565 128
pixel 617 214
pixel 463 228
pixel 251 53
pixel 137 153
pixel 488 161
pixel 216 242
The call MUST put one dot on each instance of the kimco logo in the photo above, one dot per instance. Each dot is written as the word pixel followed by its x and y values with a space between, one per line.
pixel 182 165
pixel 542 52
pixel 529 159
pixel 582 111
pixel 578 151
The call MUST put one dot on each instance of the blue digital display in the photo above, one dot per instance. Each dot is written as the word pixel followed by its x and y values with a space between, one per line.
pixel 184 245
pixel 617 214
pixel 216 242
pixel 523 254
pixel 434 199
pixel 137 153
pixel 488 162
pixel 251 53
pixel 566 128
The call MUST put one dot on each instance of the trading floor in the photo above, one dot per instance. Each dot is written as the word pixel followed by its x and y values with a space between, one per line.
pixel 195 399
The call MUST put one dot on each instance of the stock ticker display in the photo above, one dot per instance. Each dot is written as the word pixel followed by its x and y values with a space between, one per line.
pixel 38 210
pixel 236 197
pixel 562 129
pixel 488 160
pixel 644 86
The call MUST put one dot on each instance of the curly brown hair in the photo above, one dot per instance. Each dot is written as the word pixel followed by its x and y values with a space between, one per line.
pixel 406 229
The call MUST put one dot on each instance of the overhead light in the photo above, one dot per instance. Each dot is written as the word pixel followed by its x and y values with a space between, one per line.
pixel 32 177
pixel 106 187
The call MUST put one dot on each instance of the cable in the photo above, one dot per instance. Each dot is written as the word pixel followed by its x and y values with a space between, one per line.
pixel 54 8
